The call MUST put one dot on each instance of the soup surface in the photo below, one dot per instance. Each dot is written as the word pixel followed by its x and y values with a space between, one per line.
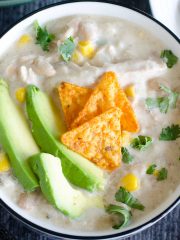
pixel 134 55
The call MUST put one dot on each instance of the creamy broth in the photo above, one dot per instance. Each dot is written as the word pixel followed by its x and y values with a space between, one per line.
pixel 134 54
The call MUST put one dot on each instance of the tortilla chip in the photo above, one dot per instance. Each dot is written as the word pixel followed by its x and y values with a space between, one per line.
pixel 98 140
pixel 73 99
pixel 106 95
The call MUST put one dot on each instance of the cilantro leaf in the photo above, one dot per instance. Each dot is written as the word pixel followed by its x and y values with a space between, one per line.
pixel 173 99
pixel 173 96
pixel 122 195
pixel 123 213
pixel 126 156
pixel 163 103
pixel 43 38
pixel 169 58
pixel 66 49
pixel 162 174
pixel 151 169
pixel 152 103
pixel 165 89
pixel 170 133
pixel 141 142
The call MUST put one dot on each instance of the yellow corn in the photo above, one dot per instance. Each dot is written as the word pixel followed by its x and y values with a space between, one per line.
pixel 24 39
pixel 155 173
pixel 142 34
pixel 125 138
pixel 130 182
pixel 130 91
pixel 4 162
pixel 21 94
pixel 76 57
pixel 86 48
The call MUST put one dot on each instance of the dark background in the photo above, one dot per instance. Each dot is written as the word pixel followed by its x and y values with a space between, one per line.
pixel 10 229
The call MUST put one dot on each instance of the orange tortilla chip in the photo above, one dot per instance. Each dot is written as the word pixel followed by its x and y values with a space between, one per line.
pixel 99 140
pixel 106 95
pixel 73 99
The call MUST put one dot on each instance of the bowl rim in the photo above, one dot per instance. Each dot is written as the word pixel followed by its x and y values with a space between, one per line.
pixel 120 235
pixel 126 233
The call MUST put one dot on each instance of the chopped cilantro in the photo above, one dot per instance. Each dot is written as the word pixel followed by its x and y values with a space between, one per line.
pixel 66 49
pixel 163 103
pixel 126 156
pixel 141 142
pixel 122 195
pixel 123 213
pixel 151 169
pixel 173 96
pixel 162 174
pixel 170 133
pixel 43 38
pixel 169 58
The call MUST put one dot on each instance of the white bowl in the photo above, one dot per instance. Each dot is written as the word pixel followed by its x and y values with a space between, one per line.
pixel 103 9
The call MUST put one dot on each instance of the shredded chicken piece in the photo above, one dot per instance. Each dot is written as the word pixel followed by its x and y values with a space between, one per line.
pixel 27 75
pixel 11 71
pixel 70 31
pixel 28 59
pixel 31 68
pixel 53 58
pixel 104 54
pixel 42 67
pixel 23 201
pixel 23 72
pixel 88 31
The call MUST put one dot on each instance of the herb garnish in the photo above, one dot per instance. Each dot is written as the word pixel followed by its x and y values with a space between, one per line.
pixel 151 169
pixel 141 142
pixel 162 174
pixel 66 49
pixel 169 58
pixel 126 156
pixel 170 133
pixel 163 103
pixel 43 38
pixel 173 96
pixel 123 213
pixel 124 196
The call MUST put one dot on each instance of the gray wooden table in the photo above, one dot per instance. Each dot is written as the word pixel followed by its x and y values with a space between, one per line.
pixel 166 229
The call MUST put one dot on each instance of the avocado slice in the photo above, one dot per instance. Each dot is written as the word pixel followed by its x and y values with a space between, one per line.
pixel 16 139
pixel 58 190
pixel 47 127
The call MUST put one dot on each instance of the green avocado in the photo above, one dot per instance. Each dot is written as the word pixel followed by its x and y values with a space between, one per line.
pixel 47 127
pixel 16 139
pixel 58 190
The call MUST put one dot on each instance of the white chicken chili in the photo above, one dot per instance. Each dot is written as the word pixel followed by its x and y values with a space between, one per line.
pixel 78 50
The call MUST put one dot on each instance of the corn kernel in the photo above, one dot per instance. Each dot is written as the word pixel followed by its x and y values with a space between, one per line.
pixel 77 57
pixel 24 39
pixel 155 173
pixel 86 48
pixel 125 138
pixel 130 182
pixel 21 94
pixel 130 91
pixel 142 34
pixel 4 162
